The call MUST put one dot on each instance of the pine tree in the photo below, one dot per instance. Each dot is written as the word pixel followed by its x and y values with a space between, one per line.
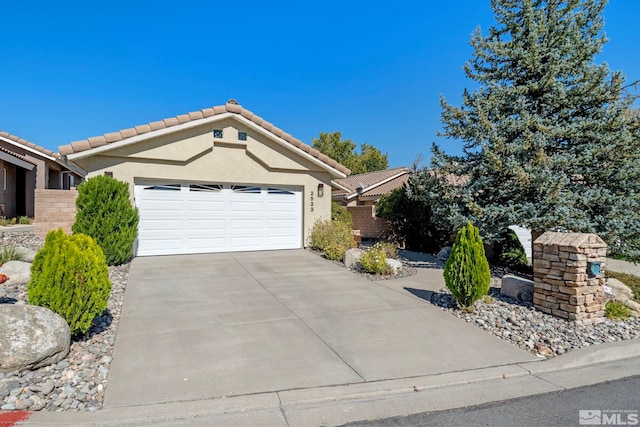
pixel 467 273
pixel 548 140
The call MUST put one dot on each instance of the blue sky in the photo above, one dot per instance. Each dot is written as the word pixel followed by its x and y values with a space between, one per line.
pixel 372 70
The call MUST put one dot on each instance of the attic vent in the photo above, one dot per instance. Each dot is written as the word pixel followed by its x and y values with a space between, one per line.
pixel 242 136
pixel 217 133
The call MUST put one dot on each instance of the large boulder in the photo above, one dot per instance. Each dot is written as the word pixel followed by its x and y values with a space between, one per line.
pixel 518 288
pixel 27 254
pixel 444 253
pixel 17 271
pixel 352 257
pixel 31 337
pixel 394 264
pixel 619 290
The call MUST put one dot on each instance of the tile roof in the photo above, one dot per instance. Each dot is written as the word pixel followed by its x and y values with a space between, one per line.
pixel 26 143
pixel 371 181
pixel 230 107
pixel 18 156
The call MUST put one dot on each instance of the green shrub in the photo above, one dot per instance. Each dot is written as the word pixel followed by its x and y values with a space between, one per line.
pixel 105 213
pixel 333 238
pixel 341 214
pixel 510 252
pixel 616 310
pixel 4 221
pixel 24 220
pixel 10 253
pixel 374 261
pixel 389 248
pixel 632 281
pixel 467 272
pixel 69 275
pixel 410 223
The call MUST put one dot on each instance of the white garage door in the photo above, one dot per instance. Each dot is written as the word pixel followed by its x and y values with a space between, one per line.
pixel 197 218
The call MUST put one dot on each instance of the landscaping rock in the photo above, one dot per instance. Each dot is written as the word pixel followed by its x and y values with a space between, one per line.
pixel 394 264
pixel 619 290
pixel 444 253
pixel 517 288
pixel 352 257
pixel 634 307
pixel 31 337
pixel 27 254
pixel 17 272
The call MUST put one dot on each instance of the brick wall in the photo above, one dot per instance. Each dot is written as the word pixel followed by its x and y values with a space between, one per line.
pixel 54 209
pixel 365 220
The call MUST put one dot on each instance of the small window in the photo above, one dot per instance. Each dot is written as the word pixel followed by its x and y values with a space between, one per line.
pixel 242 136
pixel 4 178
pixel 279 191
pixel 164 187
pixel 212 188
pixel 245 189
pixel 217 133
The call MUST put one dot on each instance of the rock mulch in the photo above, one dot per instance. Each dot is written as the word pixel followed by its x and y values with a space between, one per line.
pixel 78 382
pixel 532 330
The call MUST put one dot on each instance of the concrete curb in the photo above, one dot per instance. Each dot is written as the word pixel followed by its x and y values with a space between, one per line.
pixel 334 405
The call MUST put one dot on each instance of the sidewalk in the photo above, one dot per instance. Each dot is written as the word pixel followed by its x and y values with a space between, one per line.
pixel 336 405
pixel 623 266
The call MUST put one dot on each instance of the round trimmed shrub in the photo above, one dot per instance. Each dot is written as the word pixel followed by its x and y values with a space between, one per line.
pixel 69 275
pixel 333 238
pixel 105 212
pixel 467 273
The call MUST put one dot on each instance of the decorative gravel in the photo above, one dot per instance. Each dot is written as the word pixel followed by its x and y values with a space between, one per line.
pixel 531 330
pixel 78 382
pixel 405 271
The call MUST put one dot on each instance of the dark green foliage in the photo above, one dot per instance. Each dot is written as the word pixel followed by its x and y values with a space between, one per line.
pixel 411 222
pixel 333 238
pixel 341 214
pixel 509 251
pixel 549 138
pixel 105 213
pixel 344 152
pixel 467 273
pixel 69 275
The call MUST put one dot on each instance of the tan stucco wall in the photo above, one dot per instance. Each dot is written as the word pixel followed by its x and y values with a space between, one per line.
pixel 193 155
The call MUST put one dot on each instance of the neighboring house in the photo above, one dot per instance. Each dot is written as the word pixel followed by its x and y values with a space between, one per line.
pixel 26 167
pixel 215 180
pixel 360 193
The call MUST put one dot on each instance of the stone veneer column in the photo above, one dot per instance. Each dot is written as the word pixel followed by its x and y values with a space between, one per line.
pixel 563 285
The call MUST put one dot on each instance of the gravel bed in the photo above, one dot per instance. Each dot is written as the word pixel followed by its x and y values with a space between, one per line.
pixel 532 330
pixel 78 382
pixel 405 271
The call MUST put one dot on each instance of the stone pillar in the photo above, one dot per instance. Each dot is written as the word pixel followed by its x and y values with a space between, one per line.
pixel 564 285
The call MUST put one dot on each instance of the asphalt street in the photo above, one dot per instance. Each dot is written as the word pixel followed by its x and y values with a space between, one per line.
pixel 618 403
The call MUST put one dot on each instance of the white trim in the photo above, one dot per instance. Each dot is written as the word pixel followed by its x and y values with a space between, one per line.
pixel 200 122
pixel 371 187
pixel 39 153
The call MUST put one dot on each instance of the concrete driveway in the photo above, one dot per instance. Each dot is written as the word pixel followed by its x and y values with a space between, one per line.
pixel 216 325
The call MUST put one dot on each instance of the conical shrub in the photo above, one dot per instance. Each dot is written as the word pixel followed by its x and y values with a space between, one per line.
pixel 106 214
pixel 467 273
pixel 69 275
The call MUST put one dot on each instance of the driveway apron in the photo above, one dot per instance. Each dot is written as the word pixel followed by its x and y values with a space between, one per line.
pixel 219 325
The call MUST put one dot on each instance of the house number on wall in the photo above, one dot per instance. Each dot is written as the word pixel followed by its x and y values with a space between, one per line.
pixel 311 198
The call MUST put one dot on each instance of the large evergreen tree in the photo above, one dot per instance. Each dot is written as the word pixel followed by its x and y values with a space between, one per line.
pixel 548 138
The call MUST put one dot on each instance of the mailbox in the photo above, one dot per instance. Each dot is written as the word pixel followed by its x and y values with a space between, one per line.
pixel 594 268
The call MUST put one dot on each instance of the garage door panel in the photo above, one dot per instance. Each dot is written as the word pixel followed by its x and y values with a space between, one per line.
pixel 197 218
